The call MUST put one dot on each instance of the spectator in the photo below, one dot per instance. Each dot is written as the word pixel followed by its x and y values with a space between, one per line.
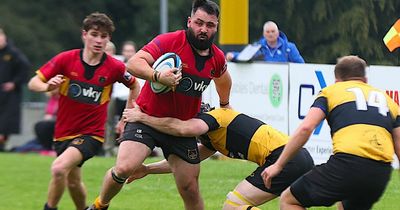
pixel 110 49
pixel 118 100
pixel 44 129
pixel 14 67
pixel 275 47
pixel 128 50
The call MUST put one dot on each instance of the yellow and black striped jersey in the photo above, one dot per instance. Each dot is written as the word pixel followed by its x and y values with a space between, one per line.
pixel 361 119
pixel 239 136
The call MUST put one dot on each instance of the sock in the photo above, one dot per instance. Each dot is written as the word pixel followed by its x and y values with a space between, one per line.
pixel 46 207
pixel 99 204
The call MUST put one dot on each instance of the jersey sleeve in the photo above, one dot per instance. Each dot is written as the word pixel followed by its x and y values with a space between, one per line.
pixel 396 122
pixel 158 46
pixel 126 78
pixel 209 120
pixel 51 68
pixel 321 102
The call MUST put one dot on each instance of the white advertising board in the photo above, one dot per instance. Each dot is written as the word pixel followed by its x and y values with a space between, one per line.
pixel 259 90
pixel 306 80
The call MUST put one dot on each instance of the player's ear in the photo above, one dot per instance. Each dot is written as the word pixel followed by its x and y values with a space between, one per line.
pixel 84 33
pixel 188 21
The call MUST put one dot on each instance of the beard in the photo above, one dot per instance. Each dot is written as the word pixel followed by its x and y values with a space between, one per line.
pixel 200 44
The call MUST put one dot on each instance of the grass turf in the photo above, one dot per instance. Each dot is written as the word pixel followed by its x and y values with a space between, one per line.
pixel 24 179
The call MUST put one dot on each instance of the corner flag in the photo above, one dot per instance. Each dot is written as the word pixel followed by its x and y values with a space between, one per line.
pixel 392 38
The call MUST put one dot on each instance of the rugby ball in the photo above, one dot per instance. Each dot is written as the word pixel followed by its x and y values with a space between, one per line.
pixel 164 62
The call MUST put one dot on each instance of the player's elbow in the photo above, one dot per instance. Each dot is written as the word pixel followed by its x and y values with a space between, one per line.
pixel 306 129
pixel 32 84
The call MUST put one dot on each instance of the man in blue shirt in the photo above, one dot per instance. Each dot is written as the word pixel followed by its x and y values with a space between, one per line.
pixel 275 47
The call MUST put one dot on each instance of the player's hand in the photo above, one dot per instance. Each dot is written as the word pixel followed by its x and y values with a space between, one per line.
pixel 138 174
pixel 269 173
pixel 170 77
pixel 133 114
pixel 55 82
pixel 120 126
pixel 229 56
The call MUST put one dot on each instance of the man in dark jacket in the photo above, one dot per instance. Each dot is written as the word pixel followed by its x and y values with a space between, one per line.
pixel 14 67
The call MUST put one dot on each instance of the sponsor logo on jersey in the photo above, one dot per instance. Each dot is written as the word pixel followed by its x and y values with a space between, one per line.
pixel 83 92
pixel 192 85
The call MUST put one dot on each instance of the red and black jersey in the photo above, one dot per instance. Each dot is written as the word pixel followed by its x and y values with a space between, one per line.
pixel 197 73
pixel 85 93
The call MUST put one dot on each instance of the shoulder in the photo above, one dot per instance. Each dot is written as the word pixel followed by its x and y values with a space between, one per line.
pixel 165 43
pixel 115 63
pixel 291 45
pixel 218 53
pixel 69 53
pixel 219 60
pixel 176 35
pixel 66 56
pixel 17 54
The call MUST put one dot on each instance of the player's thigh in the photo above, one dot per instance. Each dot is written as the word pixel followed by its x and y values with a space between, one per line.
pixel 69 159
pixel 253 194
pixel 131 154
pixel 185 173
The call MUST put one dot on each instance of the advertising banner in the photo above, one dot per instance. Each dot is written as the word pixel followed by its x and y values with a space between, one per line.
pixel 259 90
pixel 306 80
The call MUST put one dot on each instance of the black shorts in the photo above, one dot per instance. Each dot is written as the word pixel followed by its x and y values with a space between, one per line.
pixel 357 181
pixel 87 145
pixel 183 147
pixel 295 168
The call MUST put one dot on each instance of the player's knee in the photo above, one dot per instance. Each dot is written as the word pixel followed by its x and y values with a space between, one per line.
pixel 189 188
pixel 117 177
pixel 235 200
pixel 58 171
pixel 286 199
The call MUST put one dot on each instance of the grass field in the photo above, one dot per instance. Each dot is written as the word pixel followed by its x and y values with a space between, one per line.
pixel 24 179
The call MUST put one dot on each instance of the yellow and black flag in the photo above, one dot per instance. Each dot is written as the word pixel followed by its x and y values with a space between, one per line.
pixel 392 38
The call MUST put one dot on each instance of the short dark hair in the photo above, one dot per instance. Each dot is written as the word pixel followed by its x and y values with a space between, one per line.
pixel 349 67
pixel 206 5
pixel 98 21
